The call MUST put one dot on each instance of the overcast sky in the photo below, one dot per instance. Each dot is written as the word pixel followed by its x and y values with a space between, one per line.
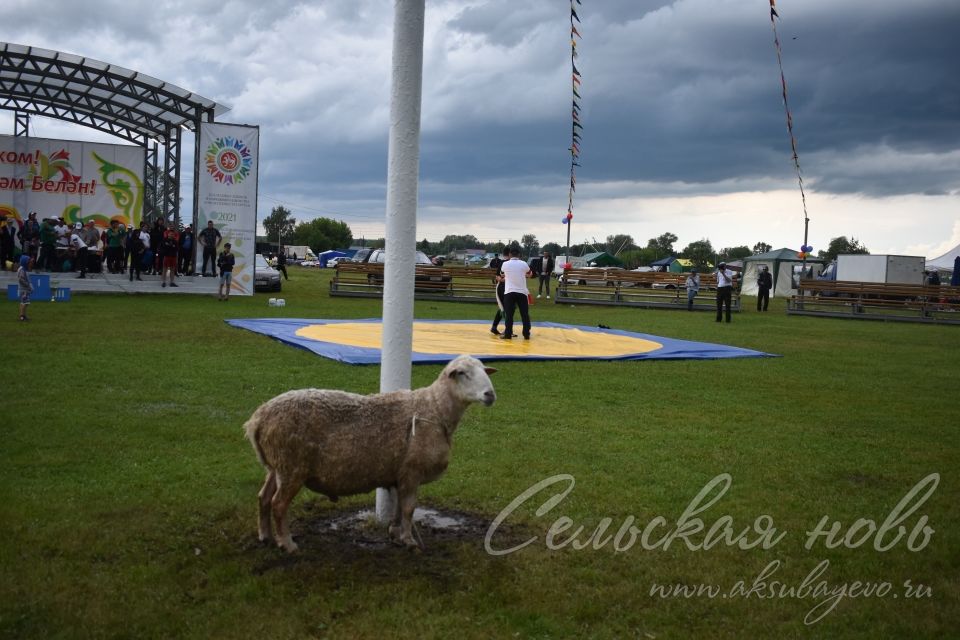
pixel 684 126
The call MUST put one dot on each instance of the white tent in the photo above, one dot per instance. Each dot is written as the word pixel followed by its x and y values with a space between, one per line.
pixel 783 263
pixel 944 262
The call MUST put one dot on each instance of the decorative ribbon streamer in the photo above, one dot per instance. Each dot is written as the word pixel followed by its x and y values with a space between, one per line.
pixel 786 104
pixel 575 110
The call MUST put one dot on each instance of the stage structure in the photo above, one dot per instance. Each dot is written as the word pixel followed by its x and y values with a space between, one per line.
pixel 142 110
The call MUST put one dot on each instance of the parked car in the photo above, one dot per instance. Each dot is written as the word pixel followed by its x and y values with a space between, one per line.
pixel 265 277
pixel 333 262
pixel 309 263
pixel 361 255
pixel 664 285
pixel 379 256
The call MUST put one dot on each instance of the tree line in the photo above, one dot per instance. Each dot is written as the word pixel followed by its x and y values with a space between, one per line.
pixel 322 234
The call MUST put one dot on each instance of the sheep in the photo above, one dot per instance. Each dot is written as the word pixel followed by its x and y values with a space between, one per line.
pixel 338 443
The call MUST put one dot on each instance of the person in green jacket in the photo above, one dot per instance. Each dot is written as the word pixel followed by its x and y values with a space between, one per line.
pixel 48 245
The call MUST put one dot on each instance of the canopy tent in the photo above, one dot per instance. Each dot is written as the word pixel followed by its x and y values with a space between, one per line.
pixel 782 264
pixel 664 264
pixel 601 259
pixel 674 264
pixel 944 262
pixel 326 255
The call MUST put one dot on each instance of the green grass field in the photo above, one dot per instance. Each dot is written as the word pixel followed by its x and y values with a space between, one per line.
pixel 129 493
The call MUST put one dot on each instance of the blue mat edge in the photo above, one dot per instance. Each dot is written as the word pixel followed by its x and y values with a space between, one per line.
pixel 366 356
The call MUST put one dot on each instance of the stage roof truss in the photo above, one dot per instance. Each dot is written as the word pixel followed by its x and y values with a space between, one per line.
pixel 97 94
pixel 121 102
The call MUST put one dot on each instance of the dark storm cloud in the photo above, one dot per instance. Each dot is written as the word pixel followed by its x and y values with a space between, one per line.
pixel 679 98
pixel 691 92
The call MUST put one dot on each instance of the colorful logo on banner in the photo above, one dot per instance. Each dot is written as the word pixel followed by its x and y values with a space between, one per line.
pixel 229 160
pixel 46 168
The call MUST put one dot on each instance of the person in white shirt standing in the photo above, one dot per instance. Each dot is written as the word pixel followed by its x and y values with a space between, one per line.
pixel 724 289
pixel 693 288
pixel 76 241
pixel 63 243
pixel 515 294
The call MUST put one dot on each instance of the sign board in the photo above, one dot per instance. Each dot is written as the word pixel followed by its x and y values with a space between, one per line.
pixel 227 193
pixel 78 181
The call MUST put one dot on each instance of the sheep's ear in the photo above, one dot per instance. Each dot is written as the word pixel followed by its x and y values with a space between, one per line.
pixel 454 373
pixel 489 370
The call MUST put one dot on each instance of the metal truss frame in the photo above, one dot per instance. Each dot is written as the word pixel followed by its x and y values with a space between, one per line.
pixel 124 103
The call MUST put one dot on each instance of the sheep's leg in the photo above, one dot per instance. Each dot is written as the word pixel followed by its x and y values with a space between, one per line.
pixel 286 492
pixel 266 496
pixel 407 502
pixel 397 515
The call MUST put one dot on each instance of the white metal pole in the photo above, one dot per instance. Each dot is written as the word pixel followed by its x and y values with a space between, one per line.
pixel 403 160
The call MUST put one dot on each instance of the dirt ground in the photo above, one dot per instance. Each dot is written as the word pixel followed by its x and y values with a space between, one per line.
pixel 352 536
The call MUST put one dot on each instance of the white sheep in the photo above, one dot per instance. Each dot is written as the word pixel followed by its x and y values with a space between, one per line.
pixel 339 444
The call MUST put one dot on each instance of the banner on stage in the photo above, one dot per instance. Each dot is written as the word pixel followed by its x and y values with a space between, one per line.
pixel 78 181
pixel 227 188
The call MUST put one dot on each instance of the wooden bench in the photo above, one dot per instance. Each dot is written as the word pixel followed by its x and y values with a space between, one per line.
pixel 453 283
pixel 877 301
pixel 619 287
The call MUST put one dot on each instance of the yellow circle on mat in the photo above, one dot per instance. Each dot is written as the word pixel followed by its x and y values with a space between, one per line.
pixel 453 337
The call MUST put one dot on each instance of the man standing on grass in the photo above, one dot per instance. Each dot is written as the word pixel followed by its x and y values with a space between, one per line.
pixel 225 262
pixel 693 288
pixel 764 284
pixel 282 263
pixel 546 272
pixel 724 289
pixel 515 273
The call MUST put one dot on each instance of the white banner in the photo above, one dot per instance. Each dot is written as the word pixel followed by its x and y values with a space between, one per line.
pixel 228 194
pixel 78 181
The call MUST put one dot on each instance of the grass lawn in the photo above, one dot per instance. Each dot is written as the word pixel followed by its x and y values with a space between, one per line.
pixel 129 494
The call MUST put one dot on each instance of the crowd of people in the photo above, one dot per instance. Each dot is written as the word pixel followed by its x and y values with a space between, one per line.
pixel 152 249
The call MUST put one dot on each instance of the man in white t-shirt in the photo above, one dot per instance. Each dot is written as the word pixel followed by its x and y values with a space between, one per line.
pixel 76 241
pixel 515 272
pixel 63 233
pixel 725 276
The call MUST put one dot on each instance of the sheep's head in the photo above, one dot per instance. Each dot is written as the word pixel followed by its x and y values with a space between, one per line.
pixel 471 380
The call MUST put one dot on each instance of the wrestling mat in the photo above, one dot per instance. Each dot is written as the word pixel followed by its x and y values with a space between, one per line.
pixel 438 341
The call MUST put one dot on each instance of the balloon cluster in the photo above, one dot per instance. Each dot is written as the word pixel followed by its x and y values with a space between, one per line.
pixel 567 218
pixel 805 251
